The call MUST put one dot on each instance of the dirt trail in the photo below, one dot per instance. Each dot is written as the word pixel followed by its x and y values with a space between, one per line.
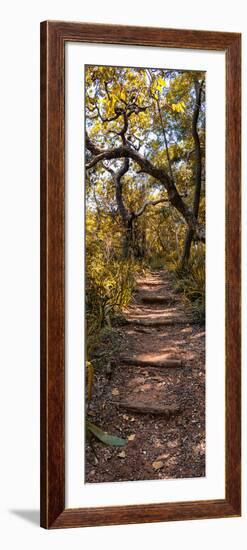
pixel 151 390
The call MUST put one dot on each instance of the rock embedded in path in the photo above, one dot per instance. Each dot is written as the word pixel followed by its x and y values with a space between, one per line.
pixel 148 407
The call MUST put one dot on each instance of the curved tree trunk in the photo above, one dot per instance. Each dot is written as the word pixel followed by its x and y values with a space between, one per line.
pixel 134 238
pixel 161 175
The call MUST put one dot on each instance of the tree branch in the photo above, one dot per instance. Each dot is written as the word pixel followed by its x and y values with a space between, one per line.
pixel 116 176
pixel 123 152
pixel 160 174
pixel 165 140
pixel 146 204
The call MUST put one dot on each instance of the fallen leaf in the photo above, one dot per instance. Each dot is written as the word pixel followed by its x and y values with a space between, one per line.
pixel 125 417
pixel 160 457
pixel 172 444
pixel 158 443
pixel 105 437
pixel 158 464
pixel 115 391
pixel 137 380
pixel 131 437
pixel 122 454
pixel 145 387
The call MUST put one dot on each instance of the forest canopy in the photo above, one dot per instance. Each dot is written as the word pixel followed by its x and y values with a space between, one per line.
pixel 145 180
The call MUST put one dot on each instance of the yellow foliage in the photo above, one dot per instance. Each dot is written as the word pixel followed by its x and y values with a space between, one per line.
pixel 158 106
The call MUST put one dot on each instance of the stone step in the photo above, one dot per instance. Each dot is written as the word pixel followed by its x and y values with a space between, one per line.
pixel 152 284
pixel 157 299
pixel 164 360
pixel 158 322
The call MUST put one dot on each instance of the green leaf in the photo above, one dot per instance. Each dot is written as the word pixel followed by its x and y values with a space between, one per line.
pixel 106 438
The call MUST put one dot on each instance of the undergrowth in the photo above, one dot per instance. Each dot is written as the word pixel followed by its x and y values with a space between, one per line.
pixel 191 282
pixel 109 289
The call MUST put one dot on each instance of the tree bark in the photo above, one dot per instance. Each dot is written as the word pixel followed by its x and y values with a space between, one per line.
pixel 133 240
pixel 197 174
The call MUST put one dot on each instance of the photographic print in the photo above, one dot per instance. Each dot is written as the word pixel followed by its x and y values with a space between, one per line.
pixel 130 117
pixel 145 273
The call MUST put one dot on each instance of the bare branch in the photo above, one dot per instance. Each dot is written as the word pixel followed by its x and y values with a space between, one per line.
pixel 148 203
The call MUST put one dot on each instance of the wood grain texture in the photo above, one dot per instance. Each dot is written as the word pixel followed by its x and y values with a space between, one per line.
pixel 233 273
pixel 52 278
pixel 53 37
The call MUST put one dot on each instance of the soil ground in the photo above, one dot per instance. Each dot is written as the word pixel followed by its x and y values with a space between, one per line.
pixel 149 388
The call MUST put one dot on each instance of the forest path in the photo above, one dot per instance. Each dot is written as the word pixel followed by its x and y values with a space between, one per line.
pixel 155 395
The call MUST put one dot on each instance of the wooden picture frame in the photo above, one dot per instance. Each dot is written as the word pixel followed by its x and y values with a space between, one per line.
pixel 53 38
